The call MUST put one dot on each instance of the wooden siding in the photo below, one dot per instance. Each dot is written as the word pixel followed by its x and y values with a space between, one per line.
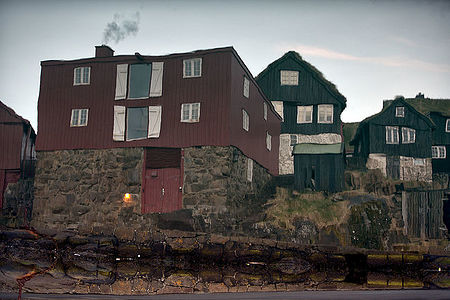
pixel 328 169
pixel 214 90
pixel 58 97
pixel 310 91
pixel 442 165
pixel 10 145
pixel 423 214
pixel 290 124
pixel 371 135
pixel 253 142
pixel 440 136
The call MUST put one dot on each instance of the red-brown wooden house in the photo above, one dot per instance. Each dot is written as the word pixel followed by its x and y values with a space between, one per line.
pixel 155 133
pixel 16 148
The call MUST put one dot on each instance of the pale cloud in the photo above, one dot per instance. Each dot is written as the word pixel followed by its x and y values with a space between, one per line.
pixel 404 41
pixel 386 61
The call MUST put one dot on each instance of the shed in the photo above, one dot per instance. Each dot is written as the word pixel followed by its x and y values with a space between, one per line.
pixel 319 166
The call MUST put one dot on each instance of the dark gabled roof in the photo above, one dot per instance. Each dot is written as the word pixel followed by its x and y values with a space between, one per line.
pixel 307 66
pixel 385 107
pixel 427 105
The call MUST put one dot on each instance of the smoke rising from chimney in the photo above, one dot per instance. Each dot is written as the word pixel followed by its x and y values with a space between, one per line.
pixel 119 29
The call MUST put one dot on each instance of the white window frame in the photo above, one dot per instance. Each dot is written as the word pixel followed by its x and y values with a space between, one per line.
pixel 400 111
pixel 447 125
pixel 327 108
pixel 265 110
pixel 76 113
pixel 82 81
pixel 392 130
pixel 419 161
pixel 245 120
pixel 190 109
pixel 192 68
pixel 268 141
pixel 408 135
pixel 438 152
pixel 288 77
pixel 249 169
pixel 302 113
pixel 279 108
pixel 246 91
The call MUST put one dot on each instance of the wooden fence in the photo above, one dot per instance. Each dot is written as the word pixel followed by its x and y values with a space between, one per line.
pixel 423 214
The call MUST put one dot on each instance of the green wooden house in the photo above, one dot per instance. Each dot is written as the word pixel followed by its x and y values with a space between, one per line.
pixel 438 110
pixel 397 141
pixel 310 105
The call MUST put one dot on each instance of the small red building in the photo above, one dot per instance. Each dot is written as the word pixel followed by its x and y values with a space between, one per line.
pixel 17 151
pixel 181 131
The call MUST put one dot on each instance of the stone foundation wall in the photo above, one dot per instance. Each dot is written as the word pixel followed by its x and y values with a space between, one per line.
pixel 377 161
pixel 413 169
pixel 215 184
pixel 83 190
pixel 17 203
pixel 286 159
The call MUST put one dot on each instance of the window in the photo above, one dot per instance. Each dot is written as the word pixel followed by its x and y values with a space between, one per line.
pixel 137 123
pixel 325 113
pixel 249 169
pixel 81 76
pixel 268 141
pixel 289 77
pixel 143 81
pixel 293 139
pixel 141 122
pixel 190 112
pixel 419 161
pixel 408 135
pixel 192 67
pixel 265 110
pixel 304 114
pixel 447 125
pixel 391 135
pixel 400 111
pixel 139 85
pixel 245 120
pixel 79 117
pixel 246 87
pixel 278 105
pixel 438 152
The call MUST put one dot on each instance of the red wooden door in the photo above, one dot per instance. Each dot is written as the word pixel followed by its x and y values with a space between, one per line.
pixel 162 192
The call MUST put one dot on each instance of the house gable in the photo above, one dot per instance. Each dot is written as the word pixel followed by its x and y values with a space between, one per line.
pixel 311 91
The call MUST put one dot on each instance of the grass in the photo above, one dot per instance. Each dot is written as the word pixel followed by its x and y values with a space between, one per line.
pixel 286 207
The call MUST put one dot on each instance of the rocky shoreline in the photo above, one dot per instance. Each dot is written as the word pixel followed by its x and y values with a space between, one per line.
pixel 183 262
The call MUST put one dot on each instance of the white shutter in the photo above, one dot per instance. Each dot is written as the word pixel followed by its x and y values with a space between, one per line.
pixel 119 123
pixel 249 169
pixel 154 121
pixel 156 81
pixel 121 81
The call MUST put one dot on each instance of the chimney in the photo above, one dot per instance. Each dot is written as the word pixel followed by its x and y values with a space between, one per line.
pixel 103 51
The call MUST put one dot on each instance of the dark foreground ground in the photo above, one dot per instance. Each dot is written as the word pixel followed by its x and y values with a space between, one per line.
pixel 310 295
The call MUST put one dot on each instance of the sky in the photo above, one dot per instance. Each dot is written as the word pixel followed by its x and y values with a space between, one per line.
pixel 371 50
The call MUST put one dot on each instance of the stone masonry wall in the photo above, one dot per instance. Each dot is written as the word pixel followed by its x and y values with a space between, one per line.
pixel 413 169
pixel 215 184
pixel 83 190
pixel 377 161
